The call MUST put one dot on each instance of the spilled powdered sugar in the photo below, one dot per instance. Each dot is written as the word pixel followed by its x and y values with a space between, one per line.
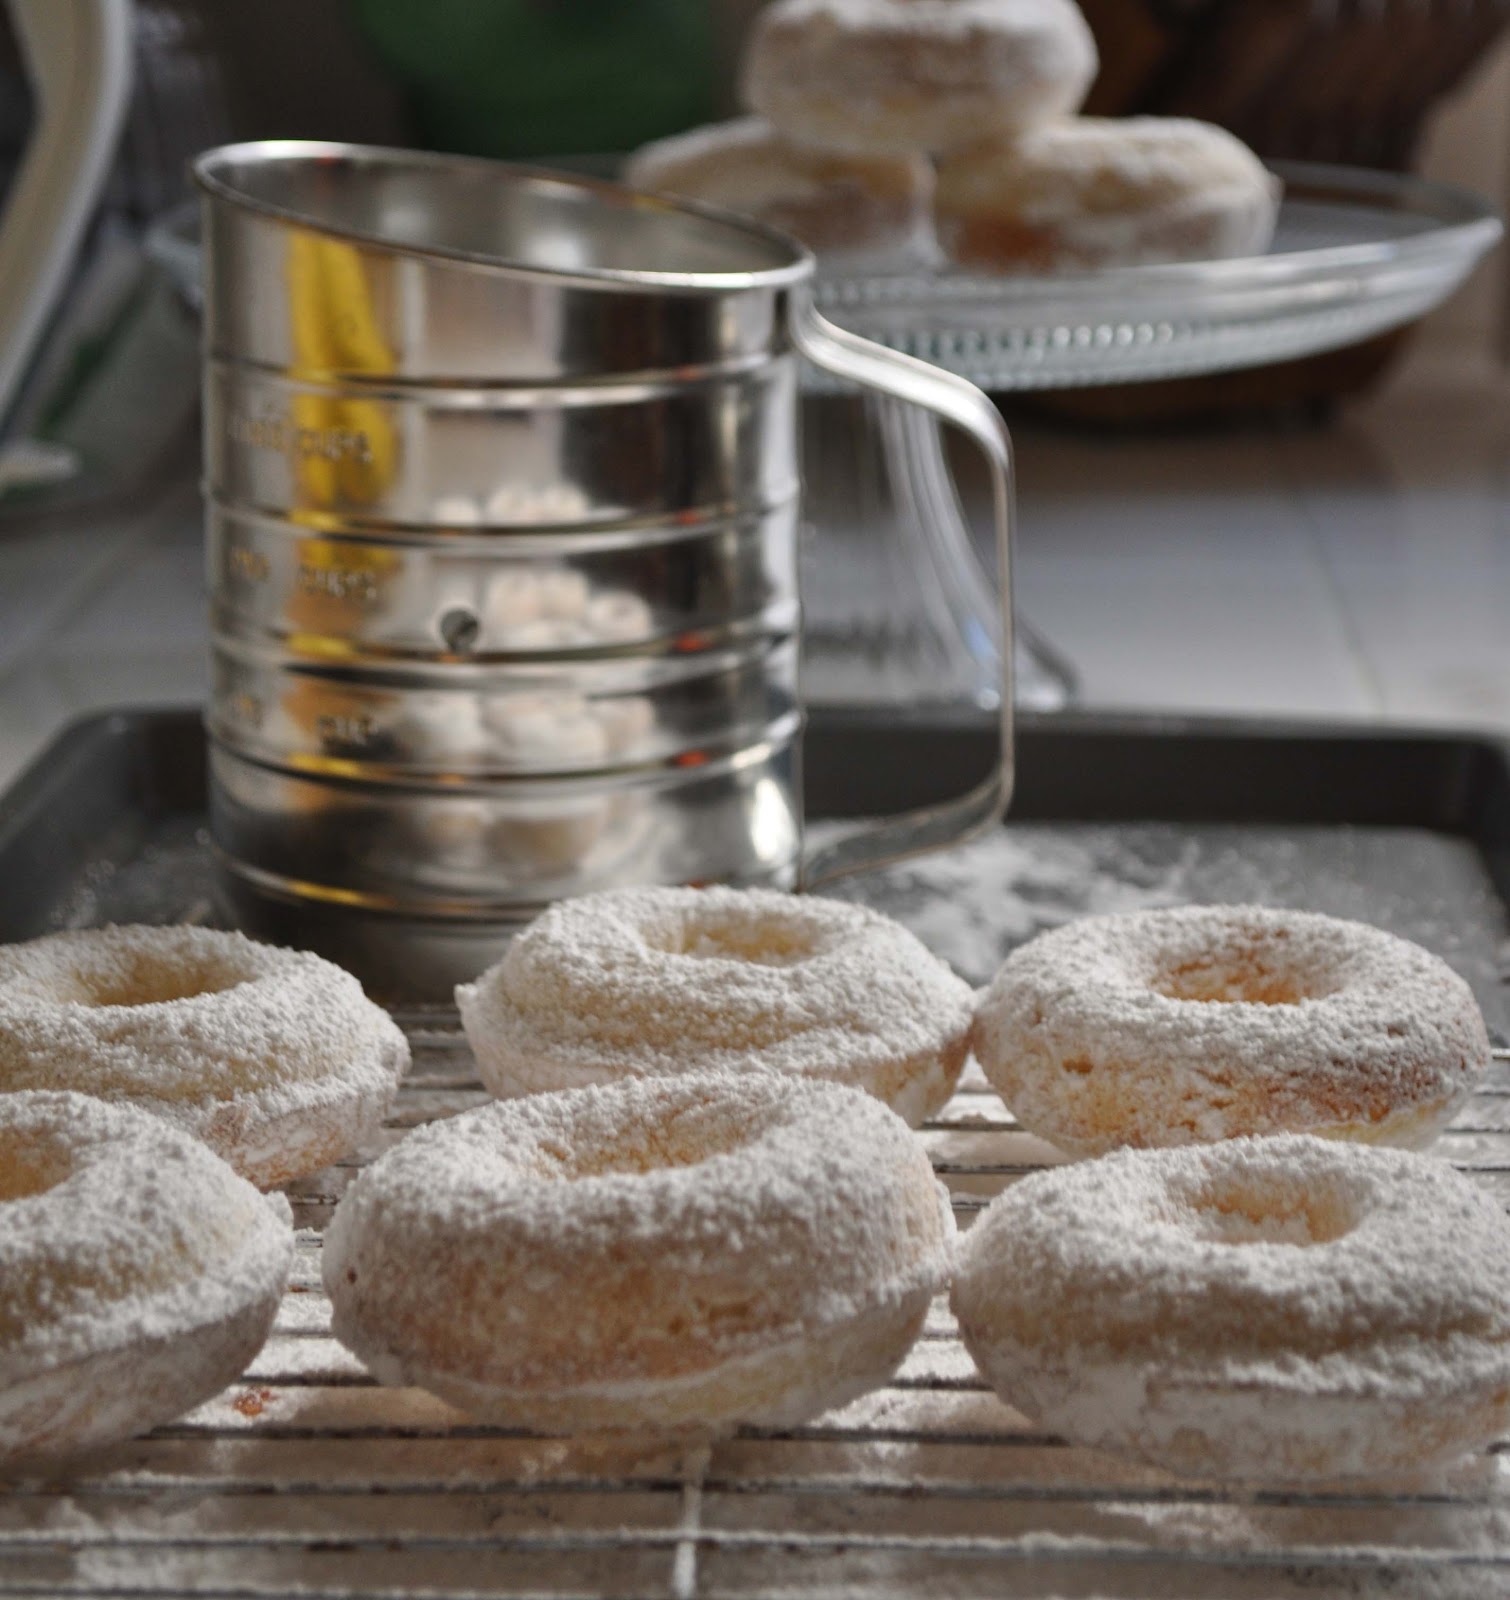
pixel 975 904
pixel 168 876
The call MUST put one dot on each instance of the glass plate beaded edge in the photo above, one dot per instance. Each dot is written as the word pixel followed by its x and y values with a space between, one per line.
pixel 1355 254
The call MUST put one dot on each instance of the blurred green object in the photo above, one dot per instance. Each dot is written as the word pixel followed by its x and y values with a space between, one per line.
pixel 547 77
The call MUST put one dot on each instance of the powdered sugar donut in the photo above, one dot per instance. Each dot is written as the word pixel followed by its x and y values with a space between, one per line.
pixel 1181 1026
pixel 1097 192
pixel 275 1058
pixel 138 1274
pixel 889 77
pixel 646 982
pixel 729 1249
pixel 838 205
pixel 1265 1308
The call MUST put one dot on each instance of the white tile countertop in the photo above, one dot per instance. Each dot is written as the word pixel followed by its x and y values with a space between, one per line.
pixel 1361 570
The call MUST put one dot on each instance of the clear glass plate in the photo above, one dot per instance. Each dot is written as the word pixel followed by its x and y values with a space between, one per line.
pixel 1356 254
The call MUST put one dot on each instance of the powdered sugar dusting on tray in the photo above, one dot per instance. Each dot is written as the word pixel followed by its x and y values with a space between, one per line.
pixel 166 877
pixel 975 904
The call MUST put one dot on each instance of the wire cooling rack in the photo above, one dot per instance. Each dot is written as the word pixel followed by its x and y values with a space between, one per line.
pixel 306 1479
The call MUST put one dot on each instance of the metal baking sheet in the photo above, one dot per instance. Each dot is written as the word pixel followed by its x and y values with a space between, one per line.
pixel 306 1479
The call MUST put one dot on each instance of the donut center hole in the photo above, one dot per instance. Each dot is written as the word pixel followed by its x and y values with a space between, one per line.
pixel 638 1151
pixel 1246 1210
pixel 1261 971
pixel 1211 982
pixel 148 981
pixel 30 1166
pixel 760 945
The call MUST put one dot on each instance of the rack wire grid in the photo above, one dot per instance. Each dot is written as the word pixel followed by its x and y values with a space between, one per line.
pixel 308 1479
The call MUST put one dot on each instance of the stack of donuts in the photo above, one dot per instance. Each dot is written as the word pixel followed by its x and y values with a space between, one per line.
pixel 884 130
pixel 697 1201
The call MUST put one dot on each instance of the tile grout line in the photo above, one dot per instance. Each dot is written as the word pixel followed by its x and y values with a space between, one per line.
pixel 1336 590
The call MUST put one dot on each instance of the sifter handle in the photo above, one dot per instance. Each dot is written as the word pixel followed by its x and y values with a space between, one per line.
pixel 931 827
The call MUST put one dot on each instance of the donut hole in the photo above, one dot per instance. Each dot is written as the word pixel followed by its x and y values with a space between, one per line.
pixel 1214 983
pixel 1247 1208
pixel 1259 969
pixel 640 1149
pixel 144 978
pixel 761 942
pixel 30 1165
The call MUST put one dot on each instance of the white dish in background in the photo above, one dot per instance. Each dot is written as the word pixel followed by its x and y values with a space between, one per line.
pixel 1356 254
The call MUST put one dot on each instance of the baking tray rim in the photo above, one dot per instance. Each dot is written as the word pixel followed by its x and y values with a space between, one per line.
pixel 76 740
